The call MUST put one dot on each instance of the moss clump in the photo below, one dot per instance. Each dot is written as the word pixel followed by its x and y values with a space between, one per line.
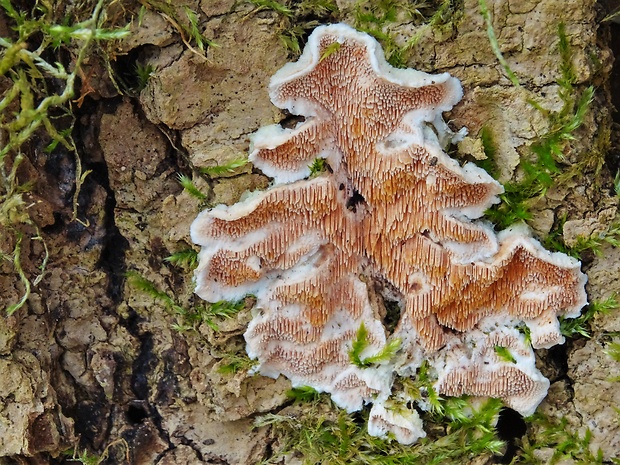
pixel 324 435
pixel 185 21
pixel 297 18
pixel 377 17
pixel 548 164
pixel 39 86
pixel 187 318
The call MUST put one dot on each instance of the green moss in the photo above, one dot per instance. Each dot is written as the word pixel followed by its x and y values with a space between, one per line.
pixel 420 388
pixel 318 166
pixel 187 318
pixel 572 327
pixel 208 173
pixel 361 343
pixel 185 258
pixel 303 394
pixel 278 7
pixel 486 15
pixel 595 241
pixel 377 17
pixel 548 163
pixel 298 18
pixel 185 21
pixel 227 168
pixel 235 363
pixel 613 350
pixel 143 73
pixel 504 354
pixel 592 243
pixel 557 436
pixel 490 151
pixel 87 458
pixel 31 61
pixel 337 438
pixel 189 186
pixel 330 50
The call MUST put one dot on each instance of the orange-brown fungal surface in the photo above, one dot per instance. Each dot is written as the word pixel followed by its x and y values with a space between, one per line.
pixel 394 210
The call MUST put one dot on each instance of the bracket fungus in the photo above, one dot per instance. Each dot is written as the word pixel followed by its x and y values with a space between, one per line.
pixel 393 219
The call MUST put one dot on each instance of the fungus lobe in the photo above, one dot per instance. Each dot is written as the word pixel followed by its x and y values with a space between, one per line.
pixel 395 218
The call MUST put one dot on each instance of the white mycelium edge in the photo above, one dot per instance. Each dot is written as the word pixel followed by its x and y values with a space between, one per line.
pixel 403 77
pixel 405 425
pixel 271 136
pixel 458 356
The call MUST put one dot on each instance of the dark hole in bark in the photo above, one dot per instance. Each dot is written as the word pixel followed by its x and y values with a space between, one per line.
pixel 136 413
pixel 392 315
pixel 112 258
pixel 510 426
pixel 90 417
pixel 290 121
pixel 557 357
pixel 354 201
pixel 390 301
pixel 126 68
pixel 143 366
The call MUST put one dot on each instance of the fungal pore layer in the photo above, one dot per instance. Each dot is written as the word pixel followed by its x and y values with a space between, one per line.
pixel 391 231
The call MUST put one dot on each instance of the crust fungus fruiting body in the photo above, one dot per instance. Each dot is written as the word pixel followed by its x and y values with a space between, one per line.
pixel 393 219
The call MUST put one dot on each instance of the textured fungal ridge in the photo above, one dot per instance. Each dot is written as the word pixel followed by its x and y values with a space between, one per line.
pixel 395 220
